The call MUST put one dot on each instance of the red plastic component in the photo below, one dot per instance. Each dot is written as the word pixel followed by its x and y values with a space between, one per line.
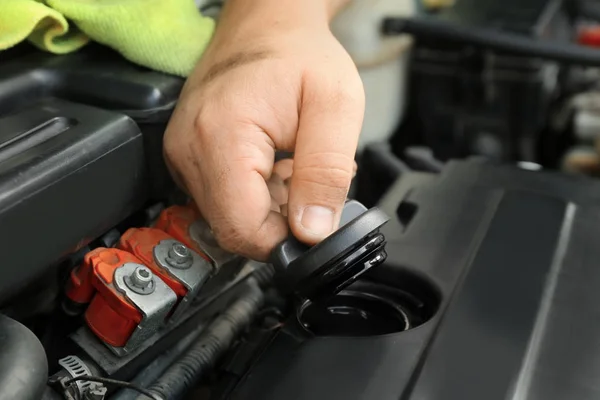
pixel 589 36
pixel 140 242
pixel 176 221
pixel 110 315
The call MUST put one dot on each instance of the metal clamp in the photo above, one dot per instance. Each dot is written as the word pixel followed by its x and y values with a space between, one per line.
pixel 184 265
pixel 76 368
pixel 202 235
pixel 155 306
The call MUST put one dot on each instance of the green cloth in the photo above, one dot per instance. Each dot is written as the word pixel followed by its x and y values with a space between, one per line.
pixel 164 35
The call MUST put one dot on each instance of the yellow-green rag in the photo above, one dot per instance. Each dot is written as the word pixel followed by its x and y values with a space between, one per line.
pixel 164 35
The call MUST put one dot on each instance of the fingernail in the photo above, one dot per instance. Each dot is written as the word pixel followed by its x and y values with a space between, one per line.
pixel 317 220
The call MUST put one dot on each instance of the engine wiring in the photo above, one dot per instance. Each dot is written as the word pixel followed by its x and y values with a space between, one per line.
pixel 114 382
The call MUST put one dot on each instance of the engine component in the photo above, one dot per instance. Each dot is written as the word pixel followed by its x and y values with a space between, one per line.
pixel 186 224
pixel 209 347
pixel 74 367
pixel 154 369
pixel 97 391
pixel 55 157
pixel 182 269
pixel 23 364
pixel 128 302
pixel 485 75
pixel 328 267
pixel 506 259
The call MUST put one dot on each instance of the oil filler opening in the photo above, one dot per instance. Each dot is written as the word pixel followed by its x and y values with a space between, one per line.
pixel 369 308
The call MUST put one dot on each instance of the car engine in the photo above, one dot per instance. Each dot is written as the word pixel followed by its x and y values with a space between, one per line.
pixel 459 271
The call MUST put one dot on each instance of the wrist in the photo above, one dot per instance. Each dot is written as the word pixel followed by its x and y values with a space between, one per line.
pixel 274 15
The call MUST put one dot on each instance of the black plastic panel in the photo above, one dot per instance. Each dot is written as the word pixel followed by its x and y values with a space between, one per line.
pixel 95 76
pixel 99 77
pixel 495 312
pixel 513 254
pixel 68 172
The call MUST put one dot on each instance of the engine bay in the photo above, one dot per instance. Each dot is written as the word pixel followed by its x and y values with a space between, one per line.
pixel 463 267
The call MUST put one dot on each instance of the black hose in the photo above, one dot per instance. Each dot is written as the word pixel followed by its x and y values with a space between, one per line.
pixel 218 337
pixel 23 363
pixel 431 29
pixel 157 367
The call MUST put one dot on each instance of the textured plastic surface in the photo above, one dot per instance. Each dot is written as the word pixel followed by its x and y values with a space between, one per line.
pixel 101 78
pixel 514 255
pixel 68 170
pixel 68 173
pixel 95 76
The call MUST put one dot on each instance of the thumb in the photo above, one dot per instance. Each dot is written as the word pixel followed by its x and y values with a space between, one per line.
pixel 329 127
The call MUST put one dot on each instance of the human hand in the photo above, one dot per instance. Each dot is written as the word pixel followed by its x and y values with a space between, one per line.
pixel 273 78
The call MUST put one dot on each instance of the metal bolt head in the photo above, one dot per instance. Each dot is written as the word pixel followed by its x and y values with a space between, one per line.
pixel 142 277
pixel 140 280
pixel 179 253
pixel 179 256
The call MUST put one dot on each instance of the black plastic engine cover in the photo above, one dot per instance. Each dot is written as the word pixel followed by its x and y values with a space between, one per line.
pixel 511 256
pixel 99 77
pixel 96 76
pixel 68 172
pixel 80 150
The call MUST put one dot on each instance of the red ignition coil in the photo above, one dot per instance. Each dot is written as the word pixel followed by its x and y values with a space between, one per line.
pixel 589 36
pixel 181 268
pixel 129 303
pixel 185 224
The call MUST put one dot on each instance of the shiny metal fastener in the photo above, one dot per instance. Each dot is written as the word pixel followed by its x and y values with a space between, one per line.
pixel 154 308
pixel 193 274
pixel 141 280
pixel 179 256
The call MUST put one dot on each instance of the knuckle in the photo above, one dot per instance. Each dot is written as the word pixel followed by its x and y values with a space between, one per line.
pixel 231 236
pixel 169 148
pixel 202 124
pixel 239 239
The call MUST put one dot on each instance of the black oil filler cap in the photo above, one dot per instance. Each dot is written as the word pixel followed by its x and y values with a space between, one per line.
pixel 328 267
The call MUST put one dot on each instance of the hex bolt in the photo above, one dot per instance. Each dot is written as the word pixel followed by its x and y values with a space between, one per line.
pixel 142 277
pixel 179 254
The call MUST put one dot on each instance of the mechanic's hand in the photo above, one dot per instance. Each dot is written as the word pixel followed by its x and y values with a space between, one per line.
pixel 274 77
